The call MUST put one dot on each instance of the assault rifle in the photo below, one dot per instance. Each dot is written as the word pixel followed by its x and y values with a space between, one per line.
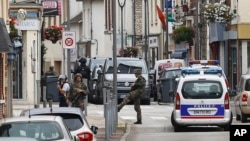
pixel 74 99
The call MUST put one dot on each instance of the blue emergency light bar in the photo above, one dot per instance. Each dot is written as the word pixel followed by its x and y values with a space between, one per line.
pixel 213 71
pixel 190 71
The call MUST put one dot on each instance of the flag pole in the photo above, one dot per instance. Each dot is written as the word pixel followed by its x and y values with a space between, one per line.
pixel 166 41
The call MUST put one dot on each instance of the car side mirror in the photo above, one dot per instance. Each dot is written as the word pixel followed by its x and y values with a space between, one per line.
pixel 94 129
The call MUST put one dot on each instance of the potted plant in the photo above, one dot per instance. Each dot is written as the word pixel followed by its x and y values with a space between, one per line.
pixel 129 52
pixel 13 31
pixel 217 12
pixel 53 33
pixel 182 34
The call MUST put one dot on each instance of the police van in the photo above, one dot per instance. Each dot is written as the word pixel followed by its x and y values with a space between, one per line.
pixel 201 99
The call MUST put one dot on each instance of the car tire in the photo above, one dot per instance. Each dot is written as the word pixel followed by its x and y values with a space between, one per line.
pixel 243 117
pixel 172 120
pixel 237 117
pixel 227 127
pixel 146 101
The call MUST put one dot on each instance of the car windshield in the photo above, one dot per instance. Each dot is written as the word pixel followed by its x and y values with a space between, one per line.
pixel 126 66
pixel 202 89
pixel 38 130
pixel 172 73
pixel 96 62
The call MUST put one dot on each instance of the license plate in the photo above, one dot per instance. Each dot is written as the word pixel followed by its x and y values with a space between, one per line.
pixel 202 112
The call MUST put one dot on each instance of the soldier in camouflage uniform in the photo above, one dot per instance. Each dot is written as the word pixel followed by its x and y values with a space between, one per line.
pixel 137 89
pixel 78 92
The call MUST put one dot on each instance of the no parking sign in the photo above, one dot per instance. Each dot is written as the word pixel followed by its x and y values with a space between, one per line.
pixel 68 38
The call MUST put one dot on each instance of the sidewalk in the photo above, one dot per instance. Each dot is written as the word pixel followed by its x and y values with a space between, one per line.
pixel 94 116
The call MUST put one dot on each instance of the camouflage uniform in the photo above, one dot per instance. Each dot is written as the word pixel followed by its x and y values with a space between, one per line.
pixel 136 91
pixel 79 102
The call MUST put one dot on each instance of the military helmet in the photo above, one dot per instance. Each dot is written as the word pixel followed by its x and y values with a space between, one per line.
pixel 83 60
pixel 78 75
pixel 137 71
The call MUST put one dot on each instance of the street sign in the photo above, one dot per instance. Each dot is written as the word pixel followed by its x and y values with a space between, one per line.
pixel 69 39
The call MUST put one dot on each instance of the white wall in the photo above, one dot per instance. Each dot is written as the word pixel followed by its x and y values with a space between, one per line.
pixel 98 25
pixel 75 8
pixel 243 11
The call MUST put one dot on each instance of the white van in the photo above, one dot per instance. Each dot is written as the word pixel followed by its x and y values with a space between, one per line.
pixel 125 76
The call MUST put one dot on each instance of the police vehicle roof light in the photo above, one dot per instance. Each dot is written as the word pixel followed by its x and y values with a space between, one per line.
pixel 204 62
pixel 213 71
pixel 190 71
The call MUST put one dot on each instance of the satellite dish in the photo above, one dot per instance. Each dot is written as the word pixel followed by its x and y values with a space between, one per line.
pixel 21 14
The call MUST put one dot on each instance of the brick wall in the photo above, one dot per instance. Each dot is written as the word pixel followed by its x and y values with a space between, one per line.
pixel 138 17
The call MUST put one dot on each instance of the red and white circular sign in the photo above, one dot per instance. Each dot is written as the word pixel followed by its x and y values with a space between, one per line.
pixel 69 41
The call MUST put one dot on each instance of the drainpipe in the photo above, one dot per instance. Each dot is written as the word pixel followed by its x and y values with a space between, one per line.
pixel 91 19
pixel 134 37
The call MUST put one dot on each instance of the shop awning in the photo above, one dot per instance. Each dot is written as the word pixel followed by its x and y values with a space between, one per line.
pixel 5 42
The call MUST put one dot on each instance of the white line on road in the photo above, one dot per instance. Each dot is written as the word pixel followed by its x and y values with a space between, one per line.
pixel 128 117
pixel 159 118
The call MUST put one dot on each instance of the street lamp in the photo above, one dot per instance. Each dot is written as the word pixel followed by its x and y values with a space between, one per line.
pixel 11 58
pixel 122 4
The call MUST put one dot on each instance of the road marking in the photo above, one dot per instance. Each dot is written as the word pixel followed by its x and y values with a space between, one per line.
pixel 146 107
pixel 159 118
pixel 128 117
pixel 100 112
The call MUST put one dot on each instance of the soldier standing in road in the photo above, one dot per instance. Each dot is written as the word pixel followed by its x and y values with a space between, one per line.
pixel 137 89
pixel 78 92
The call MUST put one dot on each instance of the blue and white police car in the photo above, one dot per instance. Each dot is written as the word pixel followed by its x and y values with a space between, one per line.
pixel 201 99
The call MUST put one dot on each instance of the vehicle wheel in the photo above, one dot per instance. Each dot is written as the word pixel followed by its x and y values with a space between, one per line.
pixel 226 128
pixel 177 128
pixel 243 117
pixel 159 101
pixel 237 117
pixel 155 96
pixel 172 120
pixel 146 101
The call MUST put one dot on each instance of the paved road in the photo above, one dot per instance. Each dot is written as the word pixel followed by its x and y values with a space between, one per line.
pixel 157 126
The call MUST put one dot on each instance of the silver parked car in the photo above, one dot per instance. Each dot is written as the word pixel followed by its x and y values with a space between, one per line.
pixel 41 128
pixel 74 119
pixel 242 98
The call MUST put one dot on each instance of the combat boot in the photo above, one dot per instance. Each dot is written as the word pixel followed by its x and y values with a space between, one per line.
pixel 138 122
pixel 118 109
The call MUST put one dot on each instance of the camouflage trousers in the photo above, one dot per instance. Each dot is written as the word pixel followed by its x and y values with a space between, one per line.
pixel 137 101
pixel 79 104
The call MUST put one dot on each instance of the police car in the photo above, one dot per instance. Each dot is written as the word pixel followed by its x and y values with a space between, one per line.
pixel 201 99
